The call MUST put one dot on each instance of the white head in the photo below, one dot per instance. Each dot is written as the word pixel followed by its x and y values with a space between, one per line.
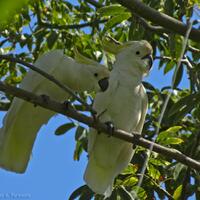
pixel 96 77
pixel 135 57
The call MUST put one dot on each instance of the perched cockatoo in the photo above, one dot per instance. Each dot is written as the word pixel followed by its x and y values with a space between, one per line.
pixel 124 104
pixel 23 120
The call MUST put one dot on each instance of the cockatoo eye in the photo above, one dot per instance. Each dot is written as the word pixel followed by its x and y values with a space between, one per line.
pixel 137 53
pixel 96 74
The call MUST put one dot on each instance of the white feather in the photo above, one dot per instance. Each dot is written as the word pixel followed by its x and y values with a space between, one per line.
pixel 124 103
pixel 23 120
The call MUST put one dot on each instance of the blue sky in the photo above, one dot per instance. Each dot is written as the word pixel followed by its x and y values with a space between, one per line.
pixel 52 173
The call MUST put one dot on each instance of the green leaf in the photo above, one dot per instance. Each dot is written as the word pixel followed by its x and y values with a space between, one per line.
pixel 64 128
pixel 78 192
pixel 184 105
pixel 174 129
pixel 169 7
pixel 124 194
pixel 148 86
pixel 177 192
pixel 78 150
pixel 170 65
pixel 114 195
pixel 168 137
pixel 130 181
pixel 51 39
pixel 153 172
pixel 172 45
pixel 116 20
pixel 114 9
pixel 86 194
pixel 80 133
pixel 177 77
pixel 131 169
pixel 141 193
pixel 168 133
pixel 173 140
pixel 179 170
pixel 158 162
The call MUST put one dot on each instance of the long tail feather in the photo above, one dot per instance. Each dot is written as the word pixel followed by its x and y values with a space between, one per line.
pixel 18 134
pixel 99 179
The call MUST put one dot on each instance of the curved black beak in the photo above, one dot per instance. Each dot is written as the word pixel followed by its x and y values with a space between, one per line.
pixel 103 83
pixel 150 60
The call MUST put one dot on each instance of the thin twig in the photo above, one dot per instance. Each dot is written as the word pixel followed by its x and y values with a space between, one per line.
pixel 193 49
pixel 69 111
pixel 158 29
pixel 184 61
pixel 49 77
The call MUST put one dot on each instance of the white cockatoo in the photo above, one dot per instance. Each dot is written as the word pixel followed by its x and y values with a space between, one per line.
pixel 124 103
pixel 23 120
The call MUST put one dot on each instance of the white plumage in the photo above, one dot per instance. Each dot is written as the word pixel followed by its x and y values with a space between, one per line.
pixel 124 104
pixel 23 120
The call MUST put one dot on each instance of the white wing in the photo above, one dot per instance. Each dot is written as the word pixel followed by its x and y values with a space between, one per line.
pixel 23 120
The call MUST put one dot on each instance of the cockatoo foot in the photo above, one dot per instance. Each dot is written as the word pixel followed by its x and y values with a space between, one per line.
pixel 45 98
pixel 136 137
pixel 67 104
pixel 111 128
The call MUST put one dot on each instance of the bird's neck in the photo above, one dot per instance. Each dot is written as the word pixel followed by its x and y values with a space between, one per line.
pixel 127 75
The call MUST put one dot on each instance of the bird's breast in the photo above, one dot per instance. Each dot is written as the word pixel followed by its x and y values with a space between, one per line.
pixel 125 108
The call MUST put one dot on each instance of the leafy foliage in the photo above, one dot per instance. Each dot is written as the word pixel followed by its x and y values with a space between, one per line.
pixel 39 26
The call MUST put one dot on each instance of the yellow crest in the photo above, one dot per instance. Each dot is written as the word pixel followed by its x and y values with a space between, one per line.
pixel 112 46
pixel 82 59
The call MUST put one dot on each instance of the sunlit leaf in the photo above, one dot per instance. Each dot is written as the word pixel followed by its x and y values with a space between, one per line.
pixel 130 181
pixel 177 192
pixel 114 9
pixel 153 172
pixel 169 133
pixel 116 20
pixel 173 140
pixel 78 150
pixel 130 169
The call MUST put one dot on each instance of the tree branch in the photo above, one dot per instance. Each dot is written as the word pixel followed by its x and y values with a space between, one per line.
pixel 193 49
pixel 145 24
pixel 49 77
pixel 69 111
pixel 72 26
pixel 170 23
pixel 69 26
pixel 183 61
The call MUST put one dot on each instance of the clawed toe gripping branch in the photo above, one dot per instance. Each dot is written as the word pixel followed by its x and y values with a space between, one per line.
pixel 110 128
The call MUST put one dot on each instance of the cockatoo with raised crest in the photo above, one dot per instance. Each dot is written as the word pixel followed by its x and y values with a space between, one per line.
pixel 124 103
pixel 23 120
